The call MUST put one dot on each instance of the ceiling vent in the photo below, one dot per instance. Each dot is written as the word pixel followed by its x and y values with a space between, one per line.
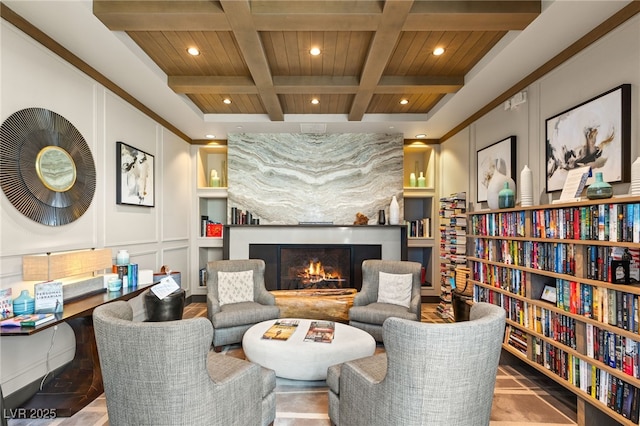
pixel 313 128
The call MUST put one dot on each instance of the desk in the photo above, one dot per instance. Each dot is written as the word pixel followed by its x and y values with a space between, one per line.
pixel 80 381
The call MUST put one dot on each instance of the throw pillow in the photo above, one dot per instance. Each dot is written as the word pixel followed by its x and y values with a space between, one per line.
pixel 234 287
pixel 395 289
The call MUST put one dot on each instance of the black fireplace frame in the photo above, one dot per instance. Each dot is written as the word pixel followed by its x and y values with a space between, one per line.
pixel 271 254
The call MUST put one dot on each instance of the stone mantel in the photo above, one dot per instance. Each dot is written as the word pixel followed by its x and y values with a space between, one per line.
pixel 237 238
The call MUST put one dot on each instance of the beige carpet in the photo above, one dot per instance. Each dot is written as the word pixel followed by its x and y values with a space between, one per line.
pixel 522 397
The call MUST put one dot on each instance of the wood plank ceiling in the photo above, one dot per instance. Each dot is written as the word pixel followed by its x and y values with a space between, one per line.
pixel 373 53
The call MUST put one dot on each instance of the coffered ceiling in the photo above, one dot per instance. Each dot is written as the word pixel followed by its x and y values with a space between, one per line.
pixel 374 54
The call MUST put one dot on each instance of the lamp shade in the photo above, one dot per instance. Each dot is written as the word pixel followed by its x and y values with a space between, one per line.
pixel 53 266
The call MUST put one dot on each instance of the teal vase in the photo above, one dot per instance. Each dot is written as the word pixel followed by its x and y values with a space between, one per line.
pixel 23 304
pixel 506 197
pixel 599 189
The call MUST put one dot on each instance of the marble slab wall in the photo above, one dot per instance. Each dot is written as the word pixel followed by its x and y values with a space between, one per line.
pixel 288 178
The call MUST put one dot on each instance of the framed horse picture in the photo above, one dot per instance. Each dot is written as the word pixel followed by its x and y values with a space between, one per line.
pixel 134 176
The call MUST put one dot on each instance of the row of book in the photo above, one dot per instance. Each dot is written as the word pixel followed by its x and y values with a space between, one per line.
pixel 507 224
pixel 603 222
pixel 512 280
pixel 619 352
pixel 518 339
pixel 419 228
pixel 561 328
pixel 610 390
pixel 599 260
pixel 242 217
pixel 554 257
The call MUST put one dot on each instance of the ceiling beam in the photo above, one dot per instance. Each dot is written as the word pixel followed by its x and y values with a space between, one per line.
pixel 315 84
pixel 161 15
pixel 419 84
pixel 212 85
pixel 472 15
pixel 382 45
pixel 290 15
pixel 239 15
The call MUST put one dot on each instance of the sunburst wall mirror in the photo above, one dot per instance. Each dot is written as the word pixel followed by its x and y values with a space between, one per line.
pixel 46 167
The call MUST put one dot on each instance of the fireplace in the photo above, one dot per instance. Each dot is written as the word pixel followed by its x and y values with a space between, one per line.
pixel 313 266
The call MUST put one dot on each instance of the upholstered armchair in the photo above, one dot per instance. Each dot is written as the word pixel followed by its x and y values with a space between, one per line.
pixel 165 373
pixel 390 288
pixel 237 299
pixel 430 374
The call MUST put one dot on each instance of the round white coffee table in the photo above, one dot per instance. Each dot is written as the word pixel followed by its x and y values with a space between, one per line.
pixel 299 360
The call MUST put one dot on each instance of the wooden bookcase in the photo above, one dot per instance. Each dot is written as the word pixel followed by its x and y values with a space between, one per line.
pixel 589 339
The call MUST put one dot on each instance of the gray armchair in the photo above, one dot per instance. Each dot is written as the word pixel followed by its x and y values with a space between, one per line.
pixel 231 320
pixel 367 313
pixel 431 374
pixel 164 373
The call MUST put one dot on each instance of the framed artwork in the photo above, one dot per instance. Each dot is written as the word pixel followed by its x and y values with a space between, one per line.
pixel 500 157
pixel 596 133
pixel 134 176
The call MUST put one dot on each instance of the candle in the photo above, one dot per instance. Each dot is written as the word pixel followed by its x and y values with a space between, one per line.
pixel 214 180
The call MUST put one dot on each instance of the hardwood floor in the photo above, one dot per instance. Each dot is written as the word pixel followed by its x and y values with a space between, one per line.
pixel 522 396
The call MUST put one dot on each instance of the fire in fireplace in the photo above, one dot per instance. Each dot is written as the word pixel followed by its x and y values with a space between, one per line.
pixel 313 266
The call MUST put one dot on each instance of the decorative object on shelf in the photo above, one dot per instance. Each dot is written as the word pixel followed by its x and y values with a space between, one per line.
pixel 634 189
pixel 361 219
pixel 47 173
pixel 214 180
pixel 394 212
pixel 122 257
pixel 495 186
pixel 412 180
pixel 596 133
pixel 381 217
pixel 422 182
pixel 114 284
pixel 506 197
pixel 599 189
pixel 526 187
pixel 134 176
pixel 24 304
pixel 500 158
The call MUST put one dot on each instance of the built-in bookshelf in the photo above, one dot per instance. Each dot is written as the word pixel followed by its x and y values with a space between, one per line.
pixel 556 270
pixel 453 231
pixel 210 206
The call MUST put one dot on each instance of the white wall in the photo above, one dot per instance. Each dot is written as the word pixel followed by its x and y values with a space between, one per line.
pixel 606 64
pixel 32 76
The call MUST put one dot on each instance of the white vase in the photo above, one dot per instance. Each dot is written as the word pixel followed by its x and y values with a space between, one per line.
pixel 394 212
pixel 526 187
pixel 495 185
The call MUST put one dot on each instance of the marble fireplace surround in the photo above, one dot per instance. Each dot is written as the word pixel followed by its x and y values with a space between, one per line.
pixel 314 304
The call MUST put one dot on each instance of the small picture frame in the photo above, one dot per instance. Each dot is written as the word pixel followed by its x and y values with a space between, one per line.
pixel 620 272
pixel 549 294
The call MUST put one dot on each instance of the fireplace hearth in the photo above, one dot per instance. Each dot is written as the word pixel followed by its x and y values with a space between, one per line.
pixel 313 266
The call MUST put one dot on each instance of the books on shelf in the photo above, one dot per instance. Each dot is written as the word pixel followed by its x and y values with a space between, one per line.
pixel 27 320
pixel 320 331
pixel 282 329
pixel 48 297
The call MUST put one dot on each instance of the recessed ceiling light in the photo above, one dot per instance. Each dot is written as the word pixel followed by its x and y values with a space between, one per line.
pixel 193 51
pixel 404 101
pixel 210 136
pixel 421 136
pixel 315 101
pixel 438 51
pixel 315 51
pixel 226 101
